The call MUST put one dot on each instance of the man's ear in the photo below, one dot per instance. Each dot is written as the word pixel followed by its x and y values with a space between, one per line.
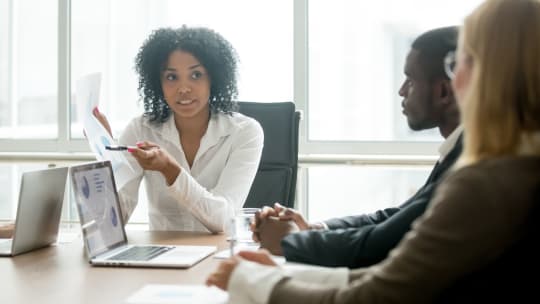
pixel 443 91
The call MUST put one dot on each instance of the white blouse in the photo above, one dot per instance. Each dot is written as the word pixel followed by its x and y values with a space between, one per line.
pixel 203 197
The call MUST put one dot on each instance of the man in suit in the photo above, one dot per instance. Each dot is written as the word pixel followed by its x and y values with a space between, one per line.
pixel 354 241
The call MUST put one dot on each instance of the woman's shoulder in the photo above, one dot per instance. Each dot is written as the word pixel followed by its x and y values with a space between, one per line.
pixel 499 169
pixel 238 128
pixel 489 181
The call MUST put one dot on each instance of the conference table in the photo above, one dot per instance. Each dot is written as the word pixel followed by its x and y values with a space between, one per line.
pixel 61 273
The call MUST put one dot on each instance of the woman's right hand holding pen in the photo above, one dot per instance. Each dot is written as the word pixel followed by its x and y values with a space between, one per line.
pixel 147 154
pixel 151 157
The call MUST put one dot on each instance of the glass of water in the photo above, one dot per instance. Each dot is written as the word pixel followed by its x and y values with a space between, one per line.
pixel 242 220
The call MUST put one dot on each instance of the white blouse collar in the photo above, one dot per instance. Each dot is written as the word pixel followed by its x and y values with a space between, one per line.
pixel 220 125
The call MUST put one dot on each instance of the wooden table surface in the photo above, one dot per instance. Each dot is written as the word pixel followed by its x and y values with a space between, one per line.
pixel 61 273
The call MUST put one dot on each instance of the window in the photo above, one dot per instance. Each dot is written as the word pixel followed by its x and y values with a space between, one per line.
pixel 357 51
pixel 106 36
pixel 340 61
pixel 10 179
pixel 28 60
pixel 336 191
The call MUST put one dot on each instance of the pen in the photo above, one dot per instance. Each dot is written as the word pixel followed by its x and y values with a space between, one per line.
pixel 119 148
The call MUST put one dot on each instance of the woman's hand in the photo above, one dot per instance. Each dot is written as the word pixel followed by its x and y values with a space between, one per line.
pixel 261 256
pixel 102 119
pixel 222 275
pixel 151 157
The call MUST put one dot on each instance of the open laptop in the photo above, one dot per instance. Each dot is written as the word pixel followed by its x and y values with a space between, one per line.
pixel 38 213
pixel 103 226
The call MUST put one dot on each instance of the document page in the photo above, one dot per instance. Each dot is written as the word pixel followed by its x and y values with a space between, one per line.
pixel 87 98
pixel 179 294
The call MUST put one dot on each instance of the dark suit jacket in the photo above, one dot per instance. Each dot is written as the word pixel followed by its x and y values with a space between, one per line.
pixel 363 240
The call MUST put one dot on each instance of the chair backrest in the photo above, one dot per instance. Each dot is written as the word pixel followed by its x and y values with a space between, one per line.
pixel 276 177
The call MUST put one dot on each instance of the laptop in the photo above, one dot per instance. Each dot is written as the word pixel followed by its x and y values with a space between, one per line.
pixel 103 230
pixel 38 213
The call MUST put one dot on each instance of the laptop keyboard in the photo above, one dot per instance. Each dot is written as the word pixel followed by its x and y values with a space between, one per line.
pixel 140 253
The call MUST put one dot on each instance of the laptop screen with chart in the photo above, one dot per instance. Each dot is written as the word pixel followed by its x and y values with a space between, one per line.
pixel 99 214
pixel 103 228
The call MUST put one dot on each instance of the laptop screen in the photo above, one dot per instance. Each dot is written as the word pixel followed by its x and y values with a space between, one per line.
pixel 97 202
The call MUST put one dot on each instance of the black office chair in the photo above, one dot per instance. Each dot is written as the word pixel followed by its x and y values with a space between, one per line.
pixel 276 177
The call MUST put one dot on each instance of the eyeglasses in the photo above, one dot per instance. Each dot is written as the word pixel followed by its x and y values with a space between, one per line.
pixel 450 64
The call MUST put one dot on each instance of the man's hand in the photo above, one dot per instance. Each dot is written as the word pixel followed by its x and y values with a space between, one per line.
pixel 272 230
pixel 289 214
pixel 280 212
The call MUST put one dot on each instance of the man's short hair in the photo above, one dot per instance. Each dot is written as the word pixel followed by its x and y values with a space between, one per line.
pixel 433 46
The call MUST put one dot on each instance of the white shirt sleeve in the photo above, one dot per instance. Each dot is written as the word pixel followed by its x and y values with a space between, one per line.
pixel 331 277
pixel 253 283
pixel 212 207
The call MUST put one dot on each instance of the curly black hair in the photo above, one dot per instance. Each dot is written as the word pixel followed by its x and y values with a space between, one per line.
pixel 216 54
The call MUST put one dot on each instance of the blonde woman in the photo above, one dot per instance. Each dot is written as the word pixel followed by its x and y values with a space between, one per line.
pixel 467 245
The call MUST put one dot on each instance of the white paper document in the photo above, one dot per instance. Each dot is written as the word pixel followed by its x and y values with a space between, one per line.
pixel 87 97
pixel 179 294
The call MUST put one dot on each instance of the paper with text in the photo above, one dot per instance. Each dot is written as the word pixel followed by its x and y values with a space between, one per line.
pixel 178 294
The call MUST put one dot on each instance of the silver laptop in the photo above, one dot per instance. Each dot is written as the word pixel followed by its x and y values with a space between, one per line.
pixel 103 227
pixel 38 213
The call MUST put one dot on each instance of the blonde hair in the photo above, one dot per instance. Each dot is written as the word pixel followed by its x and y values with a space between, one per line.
pixel 502 105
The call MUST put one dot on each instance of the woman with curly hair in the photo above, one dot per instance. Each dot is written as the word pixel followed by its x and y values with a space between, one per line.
pixel 198 157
